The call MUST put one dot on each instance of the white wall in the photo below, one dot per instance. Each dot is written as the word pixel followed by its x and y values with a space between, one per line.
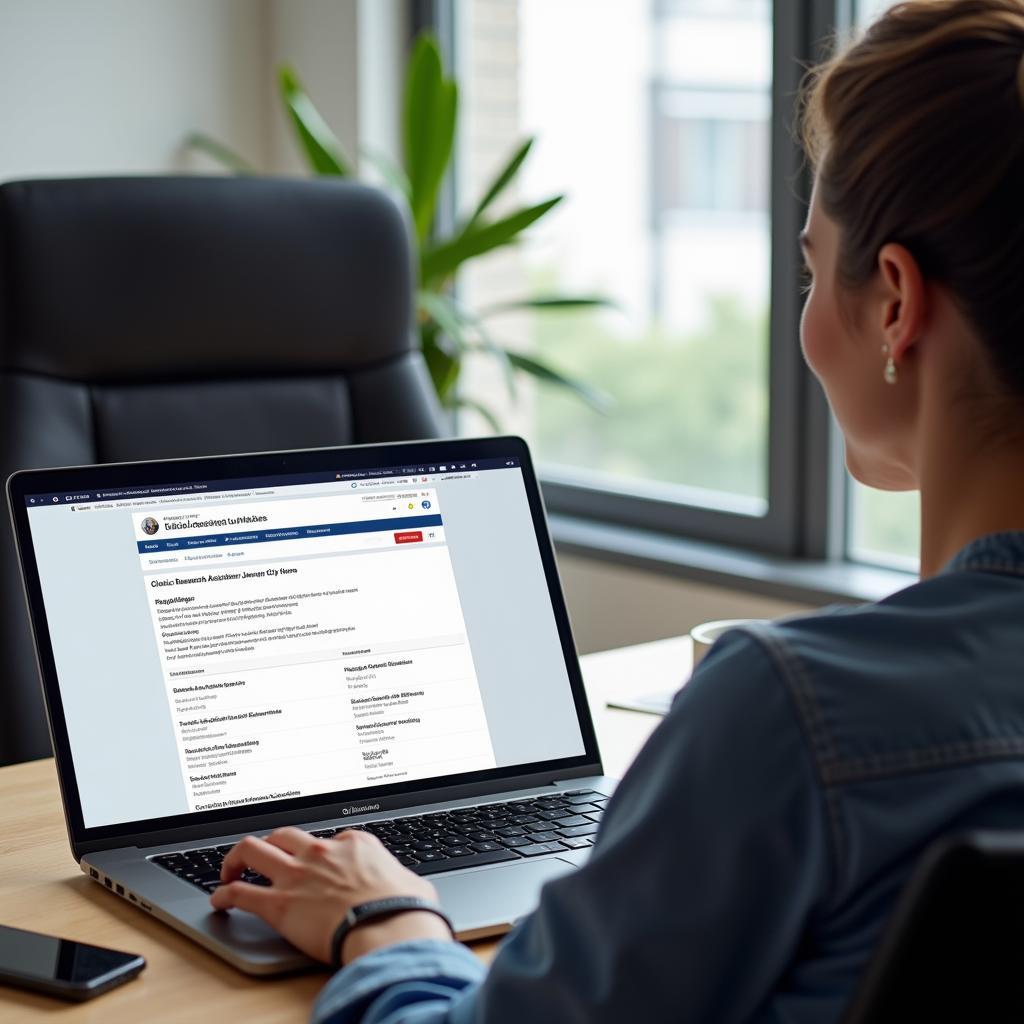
pixel 115 86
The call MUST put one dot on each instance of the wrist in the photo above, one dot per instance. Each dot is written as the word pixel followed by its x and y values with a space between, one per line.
pixel 387 931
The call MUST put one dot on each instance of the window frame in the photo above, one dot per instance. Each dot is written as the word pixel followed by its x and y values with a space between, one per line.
pixel 806 493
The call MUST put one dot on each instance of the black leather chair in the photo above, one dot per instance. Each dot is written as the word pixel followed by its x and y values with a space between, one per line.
pixel 164 317
pixel 954 947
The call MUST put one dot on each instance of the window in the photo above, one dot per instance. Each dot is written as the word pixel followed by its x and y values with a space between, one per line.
pixel 667 125
pixel 662 150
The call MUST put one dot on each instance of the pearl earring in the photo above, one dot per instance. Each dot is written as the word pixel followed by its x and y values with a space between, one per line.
pixel 889 373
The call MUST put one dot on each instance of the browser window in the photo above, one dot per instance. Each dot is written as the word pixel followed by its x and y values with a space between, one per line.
pixel 278 638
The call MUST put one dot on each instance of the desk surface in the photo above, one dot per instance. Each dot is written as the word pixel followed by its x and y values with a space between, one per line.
pixel 41 888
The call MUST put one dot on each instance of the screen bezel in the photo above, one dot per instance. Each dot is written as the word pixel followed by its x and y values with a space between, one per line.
pixel 343 459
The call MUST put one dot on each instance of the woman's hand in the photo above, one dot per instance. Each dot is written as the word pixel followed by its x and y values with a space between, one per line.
pixel 316 881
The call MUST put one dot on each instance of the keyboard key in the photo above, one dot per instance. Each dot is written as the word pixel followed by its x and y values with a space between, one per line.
pixel 585 808
pixel 579 830
pixel 458 851
pixel 583 797
pixel 574 819
pixel 577 842
pixel 427 856
pixel 551 815
pixel 523 819
pixel 591 817
pixel 486 847
pixel 516 841
pixel 543 837
pixel 493 857
pixel 406 860
pixel 206 876
pixel 515 830
pixel 541 826
pixel 169 860
pixel 536 849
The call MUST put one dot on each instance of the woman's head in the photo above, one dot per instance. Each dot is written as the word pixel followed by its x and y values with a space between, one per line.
pixel 916 230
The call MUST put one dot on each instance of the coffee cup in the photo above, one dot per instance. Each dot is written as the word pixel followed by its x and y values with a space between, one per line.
pixel 705 634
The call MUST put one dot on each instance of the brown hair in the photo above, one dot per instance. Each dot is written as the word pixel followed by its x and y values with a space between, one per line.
pixel 916 132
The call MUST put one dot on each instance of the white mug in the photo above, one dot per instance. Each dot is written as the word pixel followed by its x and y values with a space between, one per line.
pixel 705 634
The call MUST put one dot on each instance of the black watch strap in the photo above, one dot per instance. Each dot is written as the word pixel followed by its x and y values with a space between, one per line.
pixel 373 909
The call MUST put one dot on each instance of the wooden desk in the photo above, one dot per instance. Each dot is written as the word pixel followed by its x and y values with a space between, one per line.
pixel 42 889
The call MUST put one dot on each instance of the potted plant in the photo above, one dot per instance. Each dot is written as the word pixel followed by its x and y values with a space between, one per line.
pixel 448 330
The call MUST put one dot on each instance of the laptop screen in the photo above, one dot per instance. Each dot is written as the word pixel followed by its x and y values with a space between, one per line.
pixel 230 642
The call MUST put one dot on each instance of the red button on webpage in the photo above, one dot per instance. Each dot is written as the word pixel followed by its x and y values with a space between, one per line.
pixel 409 537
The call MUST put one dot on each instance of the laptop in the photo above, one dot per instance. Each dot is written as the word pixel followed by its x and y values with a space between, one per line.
pixel 370 637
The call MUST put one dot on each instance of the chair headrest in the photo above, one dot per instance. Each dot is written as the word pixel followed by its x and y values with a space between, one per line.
pixel 117 279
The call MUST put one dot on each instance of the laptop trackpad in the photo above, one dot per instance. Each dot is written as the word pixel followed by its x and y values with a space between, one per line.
pixel 487 899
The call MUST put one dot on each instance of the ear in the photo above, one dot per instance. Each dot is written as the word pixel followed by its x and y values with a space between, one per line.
pixel 904 299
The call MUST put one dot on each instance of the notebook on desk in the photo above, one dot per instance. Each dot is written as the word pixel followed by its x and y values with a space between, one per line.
pixel 369 637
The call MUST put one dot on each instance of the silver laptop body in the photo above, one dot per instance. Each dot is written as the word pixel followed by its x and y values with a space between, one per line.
pixel 327 638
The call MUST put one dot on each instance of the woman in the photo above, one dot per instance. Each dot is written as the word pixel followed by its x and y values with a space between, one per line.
pixel 748 861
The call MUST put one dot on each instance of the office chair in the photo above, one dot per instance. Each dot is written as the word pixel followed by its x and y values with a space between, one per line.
pixel 168 317
pixel 954 947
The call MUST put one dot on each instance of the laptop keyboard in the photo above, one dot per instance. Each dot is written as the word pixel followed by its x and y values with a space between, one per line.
pixel 465 837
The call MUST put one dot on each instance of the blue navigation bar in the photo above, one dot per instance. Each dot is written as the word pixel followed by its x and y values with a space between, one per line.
pixel 211 540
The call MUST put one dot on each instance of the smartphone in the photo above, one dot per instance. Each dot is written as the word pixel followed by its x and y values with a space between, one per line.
pixel 60 967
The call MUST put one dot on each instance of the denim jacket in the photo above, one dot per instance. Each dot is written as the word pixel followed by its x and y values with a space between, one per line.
pixel 747 862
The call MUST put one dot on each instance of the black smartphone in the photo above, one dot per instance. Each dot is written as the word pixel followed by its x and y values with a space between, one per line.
pixel 60 967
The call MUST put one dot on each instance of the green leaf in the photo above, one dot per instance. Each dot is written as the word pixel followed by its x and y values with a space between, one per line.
pixel 500 183
pixel 428 123
pixel 470 403
pixel 444 367
pixel 595 398
pixel 454 320
pixel 445 315
pixel 393 175
pixel 440 261
pixel 550 302
pixel 223 154
pixel 318 142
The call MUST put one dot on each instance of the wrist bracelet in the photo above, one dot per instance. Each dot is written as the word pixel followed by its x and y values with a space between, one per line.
pixel 375 909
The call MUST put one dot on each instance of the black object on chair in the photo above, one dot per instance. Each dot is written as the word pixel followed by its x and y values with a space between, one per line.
pixel 147 318
pixel 954 947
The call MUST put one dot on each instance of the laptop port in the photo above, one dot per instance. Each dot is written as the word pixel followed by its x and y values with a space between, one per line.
pixel 93 873
pixel 144 905
pixel 120 890
pixel 131 896
pixel 107 882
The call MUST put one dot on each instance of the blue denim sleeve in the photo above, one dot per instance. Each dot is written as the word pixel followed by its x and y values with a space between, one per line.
pixel 712 858
pixel 412 981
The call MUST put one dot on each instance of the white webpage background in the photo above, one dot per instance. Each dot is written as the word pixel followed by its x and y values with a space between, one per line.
pixel 114 699
pixel 325 674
